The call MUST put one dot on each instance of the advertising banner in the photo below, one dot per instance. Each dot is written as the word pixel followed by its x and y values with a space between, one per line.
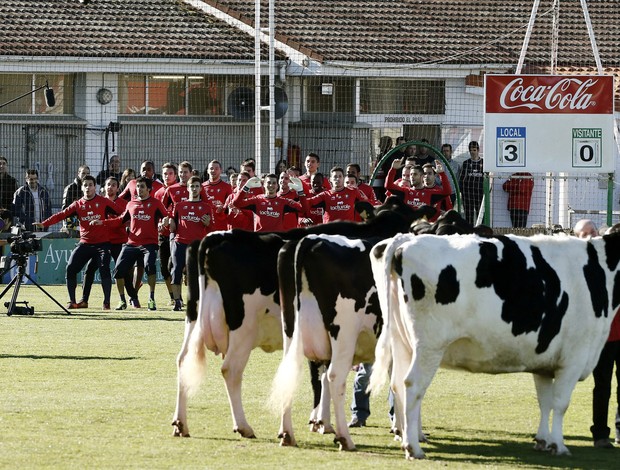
pixel 549 123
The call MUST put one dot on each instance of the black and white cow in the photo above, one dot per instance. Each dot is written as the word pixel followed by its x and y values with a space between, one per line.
pixel 233 307
pixel 507 304
pixel 330 313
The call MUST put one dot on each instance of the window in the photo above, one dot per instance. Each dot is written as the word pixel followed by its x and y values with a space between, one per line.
pixel 329 95
pixel 15 85
pixel 402 96
pixel 180 95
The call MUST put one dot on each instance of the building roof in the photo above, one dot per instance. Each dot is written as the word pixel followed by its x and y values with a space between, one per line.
pixel 377 31
pixel 440 31
pixel 118 28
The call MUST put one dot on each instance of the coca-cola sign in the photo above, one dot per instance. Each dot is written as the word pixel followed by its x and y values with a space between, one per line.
pixel 549 94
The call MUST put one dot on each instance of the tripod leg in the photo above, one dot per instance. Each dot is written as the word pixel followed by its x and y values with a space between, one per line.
pixel 8 286
pixel 17 280
pixel 46 293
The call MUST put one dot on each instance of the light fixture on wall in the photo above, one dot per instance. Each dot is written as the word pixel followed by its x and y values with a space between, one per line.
pixel 104 96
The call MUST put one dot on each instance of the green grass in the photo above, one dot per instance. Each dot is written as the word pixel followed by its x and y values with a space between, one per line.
pixel 97 390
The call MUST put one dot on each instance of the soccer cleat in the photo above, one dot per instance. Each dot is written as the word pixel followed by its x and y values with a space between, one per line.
pixel 72 305
pixel 106 306
pixel 82 304
pixel 152 305
pixel 135 303
pixel 178 306
pixel 122 305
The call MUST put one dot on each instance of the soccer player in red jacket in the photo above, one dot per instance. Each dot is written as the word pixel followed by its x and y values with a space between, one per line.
pixel 338 202
pixel 269 207
pixel 143 214
pixel 190 221
pixel 218 190
pixel 94 241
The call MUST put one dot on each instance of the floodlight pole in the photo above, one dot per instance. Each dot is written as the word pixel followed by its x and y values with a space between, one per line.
pixel 258 32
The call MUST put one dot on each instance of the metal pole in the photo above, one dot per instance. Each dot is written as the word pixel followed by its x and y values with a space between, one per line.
pixel 526 39
pixel 257 86
pixel 597 57
pixel 272 87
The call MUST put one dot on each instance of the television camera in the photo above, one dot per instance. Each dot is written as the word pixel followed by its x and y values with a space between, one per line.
pixel 23 244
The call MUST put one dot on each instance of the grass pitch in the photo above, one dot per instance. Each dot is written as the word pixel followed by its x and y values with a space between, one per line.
pixel 97 390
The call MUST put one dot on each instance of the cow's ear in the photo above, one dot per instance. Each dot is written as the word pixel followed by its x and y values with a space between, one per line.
pixel 365 209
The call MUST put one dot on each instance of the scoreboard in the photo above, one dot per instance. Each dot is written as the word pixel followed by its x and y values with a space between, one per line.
pixel 549 123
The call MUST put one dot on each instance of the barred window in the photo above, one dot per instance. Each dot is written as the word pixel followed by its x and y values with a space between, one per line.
pixel 402 96
pixel 15 85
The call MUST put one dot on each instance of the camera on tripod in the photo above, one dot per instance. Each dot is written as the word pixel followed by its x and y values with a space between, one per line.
pixel 23 242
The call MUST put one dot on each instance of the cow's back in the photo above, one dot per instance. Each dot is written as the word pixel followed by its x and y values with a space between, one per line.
pixel 507 304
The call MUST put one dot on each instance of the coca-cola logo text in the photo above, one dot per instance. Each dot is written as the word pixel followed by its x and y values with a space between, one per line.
pixel 561 95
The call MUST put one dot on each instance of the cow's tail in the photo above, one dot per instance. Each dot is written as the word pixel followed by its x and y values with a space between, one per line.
pixel 192 369
pixel 381 262
pixel 289 372
pixel 288 375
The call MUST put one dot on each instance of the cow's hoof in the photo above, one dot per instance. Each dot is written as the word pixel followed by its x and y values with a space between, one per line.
pixel 540 445
pixel 247 433
pixel 559 449
pixel 178 430
pixel 327 429
pixel 344 445
pixel 287 440
pixel 410 454
pixel 314 427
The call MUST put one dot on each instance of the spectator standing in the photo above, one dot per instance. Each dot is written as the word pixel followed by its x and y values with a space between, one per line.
pixel 128 175
pixel 471 183
pixel 603 372
pixel 114 169
pixel 423 157
pixel 31 202
pixel 446 151
pixel 8 186
pixel 519 188
pixel 378 184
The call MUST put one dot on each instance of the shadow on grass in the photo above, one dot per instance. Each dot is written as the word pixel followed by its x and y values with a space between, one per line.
pixel 70 358
pixel 516 449
pixel 137 316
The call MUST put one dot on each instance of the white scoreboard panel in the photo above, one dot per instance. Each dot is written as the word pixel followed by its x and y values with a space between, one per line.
pixel 549 123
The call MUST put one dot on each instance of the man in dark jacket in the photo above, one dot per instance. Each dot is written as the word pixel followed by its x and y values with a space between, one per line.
pixel 31 202
pixel 8 185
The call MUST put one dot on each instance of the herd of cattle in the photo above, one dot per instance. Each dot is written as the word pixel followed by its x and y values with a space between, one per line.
pixel 408 295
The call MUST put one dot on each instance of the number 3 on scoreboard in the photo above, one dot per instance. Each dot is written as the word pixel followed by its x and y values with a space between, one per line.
pixel 511 152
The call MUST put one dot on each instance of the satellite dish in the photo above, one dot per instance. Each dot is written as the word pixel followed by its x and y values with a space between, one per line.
pixel 240 103
pixel 281 101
